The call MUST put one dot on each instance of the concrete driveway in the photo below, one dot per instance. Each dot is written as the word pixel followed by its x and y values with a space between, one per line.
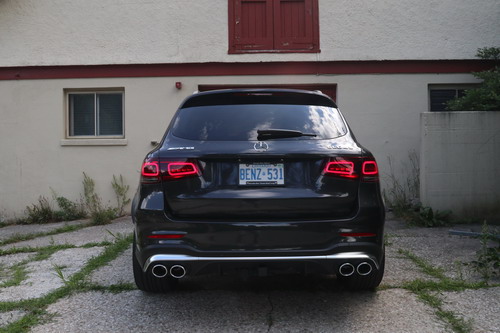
pixel 78 278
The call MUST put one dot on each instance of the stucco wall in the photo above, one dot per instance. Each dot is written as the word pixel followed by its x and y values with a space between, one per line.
pixel 460 162
pixel 383 111
pixel 67 32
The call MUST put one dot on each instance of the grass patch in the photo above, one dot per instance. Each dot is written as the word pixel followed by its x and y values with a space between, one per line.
pixel 18 275
pixel 36 308
pixel 24 237
pixel 425 291
pixel 423 265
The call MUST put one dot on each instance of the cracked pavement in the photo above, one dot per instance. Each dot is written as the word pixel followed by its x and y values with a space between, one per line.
pixel 229 304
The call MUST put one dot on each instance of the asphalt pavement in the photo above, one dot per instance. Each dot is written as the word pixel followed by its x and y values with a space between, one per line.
pixel 426 288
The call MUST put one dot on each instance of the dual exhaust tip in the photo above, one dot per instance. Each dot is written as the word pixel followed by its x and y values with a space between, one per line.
pixel 176 271
pixel 362 269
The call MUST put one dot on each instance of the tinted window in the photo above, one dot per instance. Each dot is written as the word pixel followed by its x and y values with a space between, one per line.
pixel 241 122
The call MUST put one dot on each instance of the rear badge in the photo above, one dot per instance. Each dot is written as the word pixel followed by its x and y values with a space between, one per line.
pixel 180 148
pixel 260 146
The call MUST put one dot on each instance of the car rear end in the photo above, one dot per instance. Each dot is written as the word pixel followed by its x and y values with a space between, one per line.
pixel 265 181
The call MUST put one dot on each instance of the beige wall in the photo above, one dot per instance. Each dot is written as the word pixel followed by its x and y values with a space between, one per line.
pixel 460 164
pixel 56 32
pixel 383 111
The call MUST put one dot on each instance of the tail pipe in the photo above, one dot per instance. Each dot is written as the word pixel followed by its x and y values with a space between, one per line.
pixel 177 271
pixel 364 268
pixel 347 269
pixel 159 271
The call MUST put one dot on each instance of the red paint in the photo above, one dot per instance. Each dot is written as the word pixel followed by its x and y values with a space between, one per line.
pixel 254 68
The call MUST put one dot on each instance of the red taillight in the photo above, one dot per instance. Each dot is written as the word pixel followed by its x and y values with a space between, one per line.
pixel 181 169
pixel 153 171
pixel 370 168
pixel 341 168
pixel 150 169
pixel 353 167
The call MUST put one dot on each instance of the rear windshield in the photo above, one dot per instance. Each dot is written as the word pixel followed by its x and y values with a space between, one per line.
pixel 241 122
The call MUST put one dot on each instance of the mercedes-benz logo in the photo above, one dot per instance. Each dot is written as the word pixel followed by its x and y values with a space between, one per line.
pixel 261 146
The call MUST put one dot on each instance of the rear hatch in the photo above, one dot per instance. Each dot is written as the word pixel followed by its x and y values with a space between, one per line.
pixel 247 187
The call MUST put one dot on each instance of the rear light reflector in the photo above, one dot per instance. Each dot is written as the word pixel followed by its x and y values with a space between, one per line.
pixel 167 236
pixel 181 169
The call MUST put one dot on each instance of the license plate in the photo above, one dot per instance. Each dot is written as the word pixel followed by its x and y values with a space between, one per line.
pixel 262 174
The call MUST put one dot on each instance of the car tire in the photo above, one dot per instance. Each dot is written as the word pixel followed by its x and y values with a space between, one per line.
pixel 147 282
pixel 357 282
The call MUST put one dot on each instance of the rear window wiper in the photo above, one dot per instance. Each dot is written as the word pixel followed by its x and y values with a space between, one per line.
pixel 280 133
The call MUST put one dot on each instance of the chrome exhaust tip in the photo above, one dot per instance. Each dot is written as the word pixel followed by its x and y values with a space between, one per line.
pixel 346 269
pixel 159 271
pixel 177 271
pixel 364 268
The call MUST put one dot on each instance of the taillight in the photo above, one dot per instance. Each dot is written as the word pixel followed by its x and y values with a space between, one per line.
pixel 153 171
pixel 181 169
pixel 341 168
pixel 150 172
pixel 352 168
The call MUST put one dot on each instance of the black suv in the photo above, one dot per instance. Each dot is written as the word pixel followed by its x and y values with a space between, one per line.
pixel 265 181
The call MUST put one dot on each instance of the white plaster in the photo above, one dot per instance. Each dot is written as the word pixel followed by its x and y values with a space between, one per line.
pixel 69 32
pixel 383 111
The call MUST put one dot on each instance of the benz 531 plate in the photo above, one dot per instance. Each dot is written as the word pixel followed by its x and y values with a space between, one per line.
pixel 261 174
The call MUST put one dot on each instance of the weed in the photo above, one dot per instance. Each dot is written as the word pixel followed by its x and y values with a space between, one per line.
pixel 403 195
pixel 427 217
pixel 41 212
pixel 69 210
pixel 18 275
pixel 99 214
pixel 488 258
pixel 121 193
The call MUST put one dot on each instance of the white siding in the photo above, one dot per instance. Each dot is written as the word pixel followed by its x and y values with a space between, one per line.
pixel 68 32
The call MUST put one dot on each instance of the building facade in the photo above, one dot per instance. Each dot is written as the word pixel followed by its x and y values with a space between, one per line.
pixel 90 86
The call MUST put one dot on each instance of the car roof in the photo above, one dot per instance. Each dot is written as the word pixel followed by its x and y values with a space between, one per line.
pixel 258 96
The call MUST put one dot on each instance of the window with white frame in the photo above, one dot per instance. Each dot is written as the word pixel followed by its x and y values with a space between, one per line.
pixel 95 114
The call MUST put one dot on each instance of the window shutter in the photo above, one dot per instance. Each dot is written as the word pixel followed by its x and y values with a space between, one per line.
pixel 252 25
pixel 295 26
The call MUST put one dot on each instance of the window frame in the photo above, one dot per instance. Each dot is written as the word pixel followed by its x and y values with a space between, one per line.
pixel 457 87
pixel 95 92
pixel 273 21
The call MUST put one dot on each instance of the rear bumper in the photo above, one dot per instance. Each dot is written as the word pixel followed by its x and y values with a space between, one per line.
pixel 327 263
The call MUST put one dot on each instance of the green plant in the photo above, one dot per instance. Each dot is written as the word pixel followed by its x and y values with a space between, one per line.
pixel 486 97
pixel 99 214
pixel 41 212
pixel 427 217
pixel 488 257
pixel 68 210
pixel 402 192
pixel 121 193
